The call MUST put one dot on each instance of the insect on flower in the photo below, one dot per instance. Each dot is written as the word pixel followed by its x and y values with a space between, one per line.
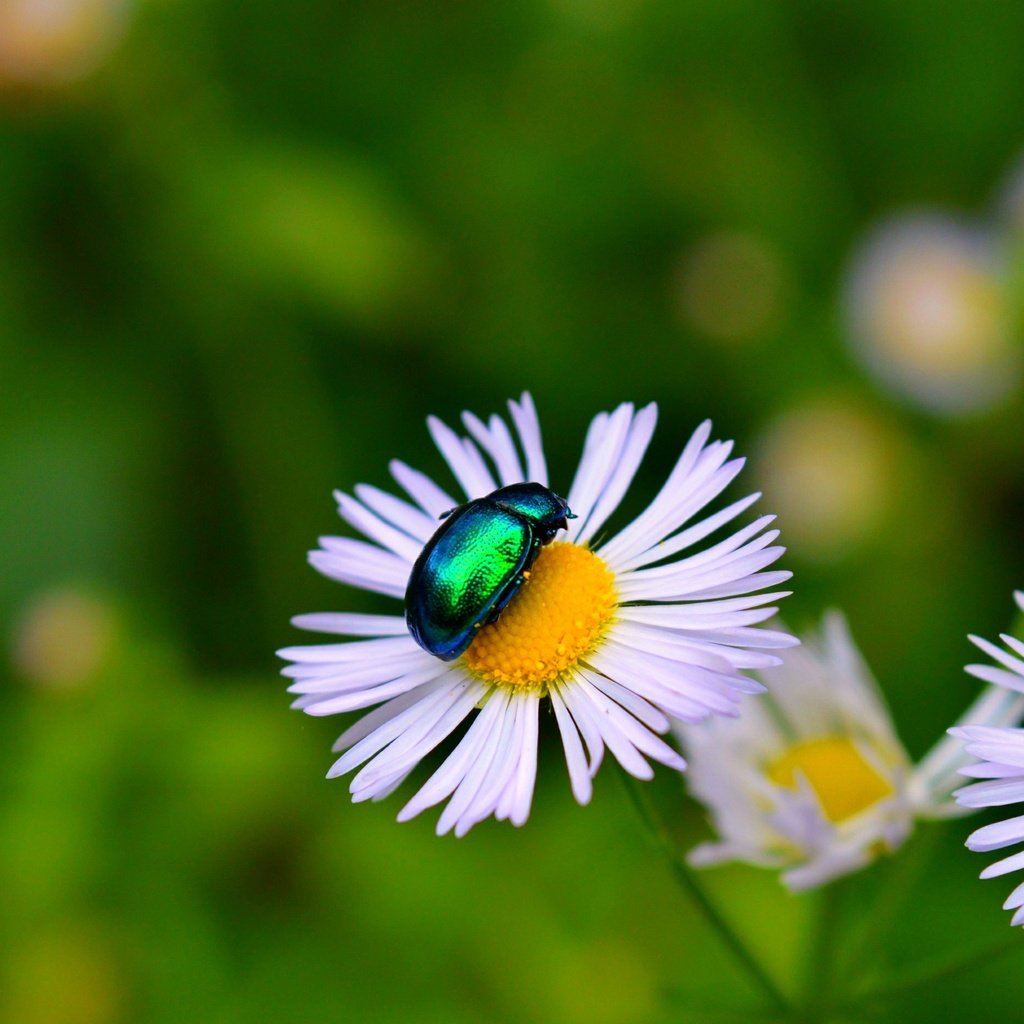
pixel 616 633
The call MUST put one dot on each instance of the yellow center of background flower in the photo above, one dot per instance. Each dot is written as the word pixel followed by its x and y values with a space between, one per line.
pixel 843 781
pixel 557 617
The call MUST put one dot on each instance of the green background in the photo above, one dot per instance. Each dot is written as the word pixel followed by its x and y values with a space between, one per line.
pixel 240 263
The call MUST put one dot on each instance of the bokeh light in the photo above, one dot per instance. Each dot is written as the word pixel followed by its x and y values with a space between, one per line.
pixel 70 972
pixel 731 286
pixel 832 471
pixel 928 313
pixel 54 41
pixel 63 638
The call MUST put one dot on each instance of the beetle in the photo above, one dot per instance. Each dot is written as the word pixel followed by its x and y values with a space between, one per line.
pixel 475 562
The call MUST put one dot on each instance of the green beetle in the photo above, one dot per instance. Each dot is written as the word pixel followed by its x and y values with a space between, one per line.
pixel 473 565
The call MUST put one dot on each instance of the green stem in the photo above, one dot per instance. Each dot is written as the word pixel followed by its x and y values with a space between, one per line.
pixel 687 880
pixel 903 874
pixel 822 954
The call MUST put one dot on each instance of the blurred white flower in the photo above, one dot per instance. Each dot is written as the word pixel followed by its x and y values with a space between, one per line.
pixel 51 41
pixel 928 313
pixel 812 779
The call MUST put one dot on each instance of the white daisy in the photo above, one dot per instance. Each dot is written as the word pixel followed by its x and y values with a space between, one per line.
pixel 1000 751
pixel 610 630
pixel 929 313
pixel 813 779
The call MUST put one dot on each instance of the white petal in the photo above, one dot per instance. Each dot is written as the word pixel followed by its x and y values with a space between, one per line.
pixel 361 565
pixel 637 536
pixel 1013 664
pixel 575 759
pixel 631 701
pixel 496 441
pixel 996 676
pixel 623 751
pixel 490 721
pixel 526 772
pixel 372 651
pixel 1013 643
pixel 601 451
pixel 621 472
pixel 1015 899
pixel 364 698
pixel 1003 867
pixel 506 758
pixel 431 498
pixel 352 624
pixel 462 456
pixel 372 720
pixel 524 415
pixel 399 513
pixel 656 548
pixel 995 837
pixel 362 677
pixel 368 523
pixel 441 695
pixel 996 793
pixel 407 750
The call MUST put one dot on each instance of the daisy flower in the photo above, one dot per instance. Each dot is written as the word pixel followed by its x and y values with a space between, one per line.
pixel 929 313
pixel 1000 751
pixel 615 632
pixel 813 778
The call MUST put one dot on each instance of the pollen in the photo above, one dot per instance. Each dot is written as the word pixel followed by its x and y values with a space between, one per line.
pixel 555 620
pixel 843 781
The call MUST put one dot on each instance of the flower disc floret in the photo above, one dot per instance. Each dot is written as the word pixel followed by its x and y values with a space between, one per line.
pixel 552 624
pixel 843 780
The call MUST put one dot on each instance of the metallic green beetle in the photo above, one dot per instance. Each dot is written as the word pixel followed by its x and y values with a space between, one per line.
pixel 474 564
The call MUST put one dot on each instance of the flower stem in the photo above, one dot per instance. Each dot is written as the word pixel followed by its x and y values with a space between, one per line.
pixel 903 873
pixel 822 954
pixel 687 880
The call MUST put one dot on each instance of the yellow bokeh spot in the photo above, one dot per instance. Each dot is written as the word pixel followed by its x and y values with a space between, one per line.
pixel 834 768
pixel 556 619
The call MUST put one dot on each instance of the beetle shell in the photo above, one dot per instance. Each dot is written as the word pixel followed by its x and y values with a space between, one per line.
pixel 473 565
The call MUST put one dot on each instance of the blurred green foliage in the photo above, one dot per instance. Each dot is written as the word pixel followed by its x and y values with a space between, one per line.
pixel 240 262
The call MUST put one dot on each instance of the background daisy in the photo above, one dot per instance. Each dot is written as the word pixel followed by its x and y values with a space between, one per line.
pixel 813 779
pixel 618 632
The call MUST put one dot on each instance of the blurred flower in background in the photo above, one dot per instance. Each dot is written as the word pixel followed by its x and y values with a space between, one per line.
pixel 55 41
pixel 813 779
pixel 833 470
pixel 732 286
pixel 929 315
pixel 616 636
pixel 63 638
pixel 71 972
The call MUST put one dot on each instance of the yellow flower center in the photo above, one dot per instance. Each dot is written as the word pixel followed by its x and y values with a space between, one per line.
pixel 843 781
pixel 554 621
